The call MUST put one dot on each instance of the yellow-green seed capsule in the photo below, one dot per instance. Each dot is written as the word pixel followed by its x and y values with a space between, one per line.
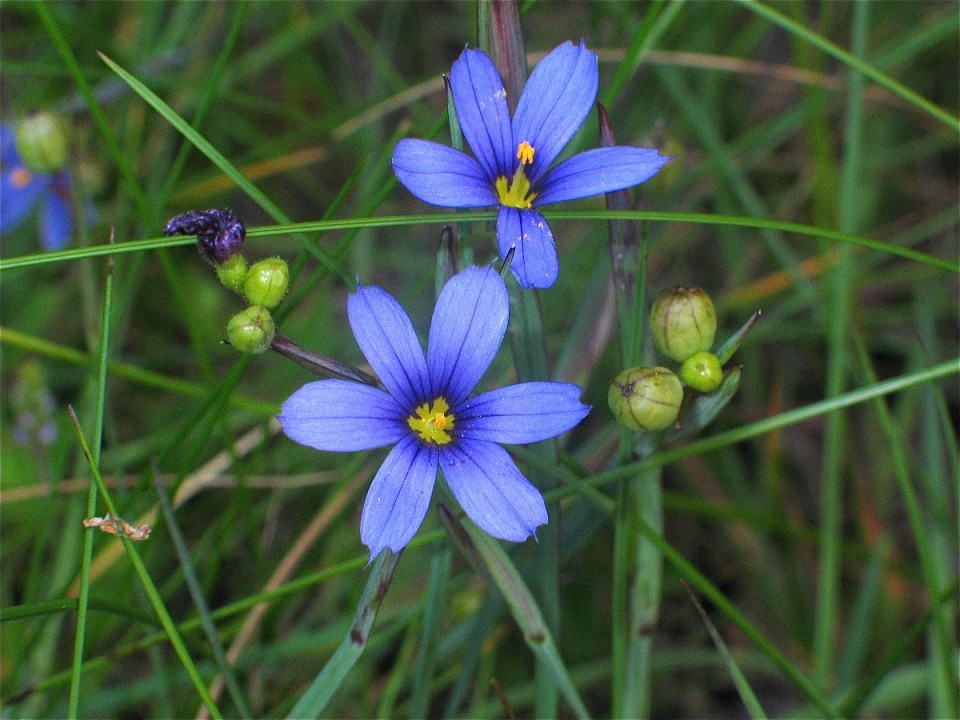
pixel 646 398
pixel 233 272
pixel 43 142
pixel 251 331
pixel 266 282
pixel 702 371
pixel 683 322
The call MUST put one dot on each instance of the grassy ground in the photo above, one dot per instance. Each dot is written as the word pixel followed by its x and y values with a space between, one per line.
pixel 813 522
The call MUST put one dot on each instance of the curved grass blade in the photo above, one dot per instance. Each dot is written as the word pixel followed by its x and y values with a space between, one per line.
pixel 169 627
pixel 316 697
pixel 218 159
pixel 487 555
pixel 743 687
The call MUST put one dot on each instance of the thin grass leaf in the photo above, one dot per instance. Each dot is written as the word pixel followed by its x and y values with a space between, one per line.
pixel 153 595
pixel 323 687
pixel 442 219
pixel 487 555
pixel 199 602
pixel 218 159
pixel 743 686
pixel 706 588
pixel 795 28
pixel 434 602
pixel 83 597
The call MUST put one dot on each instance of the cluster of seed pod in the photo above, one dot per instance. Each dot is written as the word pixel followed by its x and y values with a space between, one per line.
pixel 220 235
pixel 684 323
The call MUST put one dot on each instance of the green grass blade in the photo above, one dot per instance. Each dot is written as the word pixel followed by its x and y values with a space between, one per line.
pixel 316 697
pixel 169 627
pixel 795 28
pixel 218 159
pixel 739 680
pixel 83 599
pixel 488 556
pixel 442 219
pixel 196 594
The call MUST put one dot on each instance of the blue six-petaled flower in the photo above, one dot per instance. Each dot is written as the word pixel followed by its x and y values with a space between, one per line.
pixel 425 410
pixel 21 190
pixel 513 161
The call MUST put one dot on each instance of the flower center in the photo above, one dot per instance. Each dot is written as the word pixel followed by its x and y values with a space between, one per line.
pixel 432 423
pixel 516 192
pixel 20 177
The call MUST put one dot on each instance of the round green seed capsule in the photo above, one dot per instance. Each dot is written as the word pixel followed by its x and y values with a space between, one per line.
pixel 646 398
pixel 266 282
pixel 683 322
pixel 702 371
pixel 233 273
pixel 43 142
pixel 251 331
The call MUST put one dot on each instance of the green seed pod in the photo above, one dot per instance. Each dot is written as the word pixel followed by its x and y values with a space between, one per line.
pixel 702 371
pixel 43 142
pixel 266 282
pixel 683 322
pixel 233 272
pixel 646 398
pixel 251 331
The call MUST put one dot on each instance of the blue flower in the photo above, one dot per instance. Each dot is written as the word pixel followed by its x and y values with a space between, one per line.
pixel 21 190
pixel 513 156
pixel 427 414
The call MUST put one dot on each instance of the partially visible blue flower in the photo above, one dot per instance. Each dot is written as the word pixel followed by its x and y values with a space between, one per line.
pixel 21 190
pixel 427 414
pixel 513 161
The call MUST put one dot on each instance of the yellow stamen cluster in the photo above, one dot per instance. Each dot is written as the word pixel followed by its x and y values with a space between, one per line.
pixel 516 192
pixel 525 153
pixel 432 423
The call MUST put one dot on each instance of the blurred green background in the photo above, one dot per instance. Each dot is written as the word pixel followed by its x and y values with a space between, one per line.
pixel 835 536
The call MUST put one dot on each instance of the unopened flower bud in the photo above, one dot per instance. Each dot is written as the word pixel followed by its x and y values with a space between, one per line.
pixel 251 331
pixel 266 282
pixel 43 142
pixel 702 371
pixel 233 272
pixel 683 322
pixel 646 398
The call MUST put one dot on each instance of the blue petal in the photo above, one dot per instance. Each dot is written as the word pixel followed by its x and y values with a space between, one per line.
pixel 389 342
pixel 524 413
pixel 556 100
pixel 599 171
pixel 468 325
pixel 343 416
pixel 482 110
pixel 535 262
pixel 441 175
pixel 491 489
pixel 55 220
pixel 9 156
pixel 17 200
pixel 399 496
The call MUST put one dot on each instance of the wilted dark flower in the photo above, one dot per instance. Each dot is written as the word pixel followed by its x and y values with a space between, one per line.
pixel 220 233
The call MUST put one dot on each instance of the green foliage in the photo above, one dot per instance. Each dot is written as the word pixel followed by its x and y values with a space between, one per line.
pixel 810 503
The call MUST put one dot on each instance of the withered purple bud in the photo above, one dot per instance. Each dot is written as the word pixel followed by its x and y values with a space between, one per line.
pixel 220 233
